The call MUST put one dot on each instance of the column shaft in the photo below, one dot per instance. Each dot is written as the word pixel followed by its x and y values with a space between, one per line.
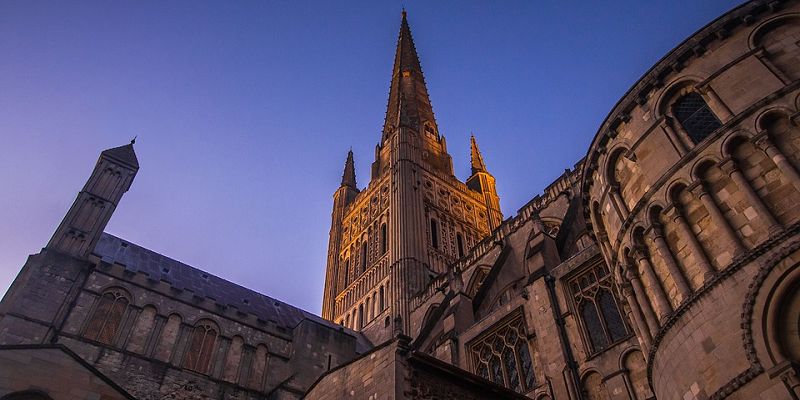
pixel 662 248
pixel 695 247
pixel 644 303
pixel 780 160
pixel 658 294
pixel 718 218
pixel 755 200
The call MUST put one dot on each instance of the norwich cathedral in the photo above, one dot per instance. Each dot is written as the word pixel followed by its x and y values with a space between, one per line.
pixel 664 265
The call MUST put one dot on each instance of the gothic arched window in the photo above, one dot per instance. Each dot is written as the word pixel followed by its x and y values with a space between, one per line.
pixel 695 116
pixel 460 244
pixel 364 256
pixel 598 308
pixel 107 316
pixel 201 346
pixel 384 239
pixel 346 272
pixel 360 316
pixel 381 298
pixel 501 355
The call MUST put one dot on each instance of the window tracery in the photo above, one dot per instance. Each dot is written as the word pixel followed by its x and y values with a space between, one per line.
pixel 502 356
pixel 107 316
pixel 597 306
pixel 201 346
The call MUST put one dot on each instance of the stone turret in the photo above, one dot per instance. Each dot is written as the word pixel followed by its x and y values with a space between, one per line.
pixel 344 195
pixel 483 182
pixel 87 218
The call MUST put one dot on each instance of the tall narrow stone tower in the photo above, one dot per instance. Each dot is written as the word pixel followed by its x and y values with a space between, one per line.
pixel 414 218
pixel 81 227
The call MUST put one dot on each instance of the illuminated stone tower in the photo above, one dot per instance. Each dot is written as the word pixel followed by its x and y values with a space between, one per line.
pixel 414 218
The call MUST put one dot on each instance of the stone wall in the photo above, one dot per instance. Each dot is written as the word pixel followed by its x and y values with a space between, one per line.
pixel 691 180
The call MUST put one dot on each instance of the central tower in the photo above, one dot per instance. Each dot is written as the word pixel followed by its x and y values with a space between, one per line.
pixel 412 221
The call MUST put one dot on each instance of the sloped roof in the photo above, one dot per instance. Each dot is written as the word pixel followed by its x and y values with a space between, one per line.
pixel 135 258
pixel 124 154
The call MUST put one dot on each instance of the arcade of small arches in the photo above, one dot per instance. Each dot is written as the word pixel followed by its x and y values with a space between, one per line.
pixel 372 306
pixel 109 324
pixel 744 185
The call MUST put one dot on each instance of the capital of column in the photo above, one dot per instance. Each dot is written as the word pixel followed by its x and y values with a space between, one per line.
pixel 729 166
pixel 639 253
pixel 656 231
pixel 673 212
pixel 762 141
pixel 698 189
pixel 630 274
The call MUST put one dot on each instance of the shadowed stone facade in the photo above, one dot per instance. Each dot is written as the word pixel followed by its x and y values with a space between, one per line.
pixel 663 265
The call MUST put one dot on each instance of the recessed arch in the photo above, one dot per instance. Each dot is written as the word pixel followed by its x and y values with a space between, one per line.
pixel 637 228
pixel 770 115
pixel 758 33
pixel 674 189
pixel 702 165
pixel 609 172
pixel 477 278
pixel 654 211
pixel 675 89
pixel 732 142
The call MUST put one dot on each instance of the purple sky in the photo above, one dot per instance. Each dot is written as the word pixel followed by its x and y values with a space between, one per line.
pixel 245 111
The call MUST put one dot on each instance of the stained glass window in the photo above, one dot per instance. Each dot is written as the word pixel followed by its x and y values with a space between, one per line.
pixel 695 116
pixel 501 355
pixel 107 316
pixel 598 307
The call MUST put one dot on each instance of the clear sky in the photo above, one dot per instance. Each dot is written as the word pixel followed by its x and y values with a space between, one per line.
pixel 245 110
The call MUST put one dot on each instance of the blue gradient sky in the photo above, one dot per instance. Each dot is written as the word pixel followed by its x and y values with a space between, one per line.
pixel 245 111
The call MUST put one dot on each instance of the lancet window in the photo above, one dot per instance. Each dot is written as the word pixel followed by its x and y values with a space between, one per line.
pixel 384 239
pixel 434 233
pixel 598 308
pixel 364 255
pixel 501 355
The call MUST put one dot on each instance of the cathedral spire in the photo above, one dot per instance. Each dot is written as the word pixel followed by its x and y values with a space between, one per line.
pixel 475 155
pixel 349 175
pixel 409 104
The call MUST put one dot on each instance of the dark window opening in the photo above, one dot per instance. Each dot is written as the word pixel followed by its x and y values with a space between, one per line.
pixel 364 256
pixel 346 272
pixel 598 308
pixel 434 234
pixel 460 243
pixel 695 116
pixel 384 239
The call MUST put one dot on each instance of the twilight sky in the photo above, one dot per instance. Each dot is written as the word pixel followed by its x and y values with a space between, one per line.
pixel 245 110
